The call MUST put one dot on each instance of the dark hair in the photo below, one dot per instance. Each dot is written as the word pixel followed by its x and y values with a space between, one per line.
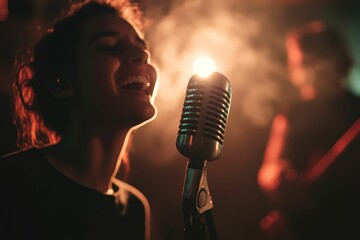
pixel 320 41
pixel 39 116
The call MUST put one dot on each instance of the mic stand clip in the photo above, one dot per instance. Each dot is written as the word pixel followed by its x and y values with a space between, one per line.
pixel 197 201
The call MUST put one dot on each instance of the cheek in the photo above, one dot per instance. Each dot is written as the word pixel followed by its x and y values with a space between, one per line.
pixel 97 81
pixel 99 74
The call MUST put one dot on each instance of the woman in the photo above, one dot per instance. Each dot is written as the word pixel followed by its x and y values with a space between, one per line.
pixel 88 85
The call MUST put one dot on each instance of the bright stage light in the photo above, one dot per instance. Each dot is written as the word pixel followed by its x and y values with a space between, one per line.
pixel 204 66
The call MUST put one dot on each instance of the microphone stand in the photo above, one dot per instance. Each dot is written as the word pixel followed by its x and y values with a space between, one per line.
pixel 197 203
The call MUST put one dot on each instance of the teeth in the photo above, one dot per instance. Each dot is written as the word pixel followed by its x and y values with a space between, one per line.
pixel 134 79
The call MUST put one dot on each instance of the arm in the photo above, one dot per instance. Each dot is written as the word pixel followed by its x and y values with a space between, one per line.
pixel 272 166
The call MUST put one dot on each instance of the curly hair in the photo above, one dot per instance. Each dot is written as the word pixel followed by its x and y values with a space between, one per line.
pixel 40 117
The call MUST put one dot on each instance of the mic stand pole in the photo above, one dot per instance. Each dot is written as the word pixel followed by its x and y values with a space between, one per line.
pixel 197 202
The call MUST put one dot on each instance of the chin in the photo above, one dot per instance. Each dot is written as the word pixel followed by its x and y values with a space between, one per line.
pixel 148 116
pixel 151 113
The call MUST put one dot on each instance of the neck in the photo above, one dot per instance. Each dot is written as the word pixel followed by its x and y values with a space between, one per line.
pixel 91 158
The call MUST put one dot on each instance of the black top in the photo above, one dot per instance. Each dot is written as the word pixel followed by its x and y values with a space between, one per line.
pixel 38 202
pixel 316 125
pixel 333 207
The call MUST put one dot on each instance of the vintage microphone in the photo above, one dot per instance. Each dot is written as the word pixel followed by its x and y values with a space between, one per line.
pixel 200 138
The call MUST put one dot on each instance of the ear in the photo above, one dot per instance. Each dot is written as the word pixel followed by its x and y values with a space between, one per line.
pixel 61 88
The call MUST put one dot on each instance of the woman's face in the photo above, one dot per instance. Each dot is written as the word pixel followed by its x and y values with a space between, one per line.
pixel 116 83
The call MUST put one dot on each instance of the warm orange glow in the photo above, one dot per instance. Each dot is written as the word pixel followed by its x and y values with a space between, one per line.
pixel 307 92
pixel 204 66
pixel 325 162
pixel 273 165
pixel 31 123
pixel 317 26
pixel 4 12
pixel 269 220
pixel 295 58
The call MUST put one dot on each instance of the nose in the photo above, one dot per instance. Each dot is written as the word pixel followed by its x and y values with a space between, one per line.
pixel 138 56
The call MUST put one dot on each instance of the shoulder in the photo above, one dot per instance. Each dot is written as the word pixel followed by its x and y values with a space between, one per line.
pixel 128 194
pixel 17 173
pixel 22 159
pixel 125 187
pixel 132 198
pixel 20 154
pixel 15 158
pixel 21 168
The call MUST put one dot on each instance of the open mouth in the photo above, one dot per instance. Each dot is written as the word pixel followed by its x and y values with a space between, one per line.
pixel 135 83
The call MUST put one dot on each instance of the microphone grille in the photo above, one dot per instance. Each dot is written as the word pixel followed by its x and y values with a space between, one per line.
pixel 204 116
pixel 216 114
pixel 191 111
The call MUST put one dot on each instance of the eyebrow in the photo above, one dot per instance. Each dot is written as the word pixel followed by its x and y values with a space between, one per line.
pixel 115 34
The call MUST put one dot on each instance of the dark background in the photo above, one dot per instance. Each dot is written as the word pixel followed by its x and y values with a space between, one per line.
pixel 246 39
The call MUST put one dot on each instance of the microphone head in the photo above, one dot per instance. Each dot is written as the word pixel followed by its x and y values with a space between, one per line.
pixel 204 117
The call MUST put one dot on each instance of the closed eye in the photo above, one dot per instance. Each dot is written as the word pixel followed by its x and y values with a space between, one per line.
pixel 116 49
pixel 110 41
pixel 105 47
pixel 104 42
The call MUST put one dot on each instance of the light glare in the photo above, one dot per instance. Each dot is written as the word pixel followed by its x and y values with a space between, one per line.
pixel 204 66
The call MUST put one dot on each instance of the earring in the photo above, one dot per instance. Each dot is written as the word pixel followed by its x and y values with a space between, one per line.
pixel 58 85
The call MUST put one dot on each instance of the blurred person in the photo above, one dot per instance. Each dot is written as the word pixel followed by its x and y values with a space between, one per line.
pixel 78 97
pixel 311 164
pixel 4 11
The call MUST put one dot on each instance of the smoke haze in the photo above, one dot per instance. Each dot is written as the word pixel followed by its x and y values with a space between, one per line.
pixel 243 43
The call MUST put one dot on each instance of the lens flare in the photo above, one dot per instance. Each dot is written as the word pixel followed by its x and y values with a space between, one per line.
pixel 204 66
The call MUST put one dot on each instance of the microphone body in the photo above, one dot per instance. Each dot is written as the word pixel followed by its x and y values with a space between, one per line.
pixel 204 117
pixel 200 138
